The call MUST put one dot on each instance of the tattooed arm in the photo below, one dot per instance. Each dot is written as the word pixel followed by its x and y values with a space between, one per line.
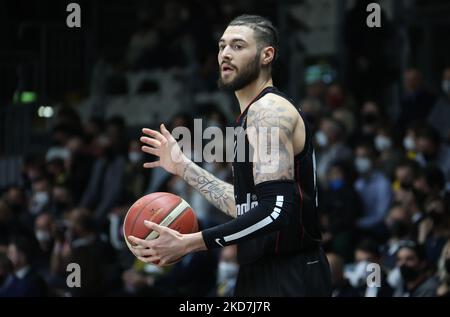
pixel 270 126
pixel 216 191
pixel 172 159
pixel 275 199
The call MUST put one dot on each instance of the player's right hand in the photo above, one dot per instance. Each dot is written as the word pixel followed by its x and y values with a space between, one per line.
pixel 165 147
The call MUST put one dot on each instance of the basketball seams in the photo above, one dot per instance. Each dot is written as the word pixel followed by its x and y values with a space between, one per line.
pixel 142 209
pixel 176 217
pixel 183 205
pixel 162 196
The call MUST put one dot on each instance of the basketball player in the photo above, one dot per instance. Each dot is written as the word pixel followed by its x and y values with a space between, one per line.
pixel 277 235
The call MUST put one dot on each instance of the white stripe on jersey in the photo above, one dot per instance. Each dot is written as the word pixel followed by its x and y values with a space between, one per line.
pixel 261 224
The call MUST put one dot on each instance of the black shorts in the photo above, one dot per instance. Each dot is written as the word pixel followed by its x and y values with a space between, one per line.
pixel 300 275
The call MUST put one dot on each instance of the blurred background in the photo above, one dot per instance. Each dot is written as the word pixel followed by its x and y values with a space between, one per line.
pixel 73 102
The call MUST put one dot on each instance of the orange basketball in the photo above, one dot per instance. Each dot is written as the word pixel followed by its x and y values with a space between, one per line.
pixel 165 209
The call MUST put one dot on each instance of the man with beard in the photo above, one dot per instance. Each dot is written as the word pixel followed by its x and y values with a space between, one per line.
pixel 274 202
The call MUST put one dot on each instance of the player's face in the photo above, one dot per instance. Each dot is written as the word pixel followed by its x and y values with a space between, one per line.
pixel 238 57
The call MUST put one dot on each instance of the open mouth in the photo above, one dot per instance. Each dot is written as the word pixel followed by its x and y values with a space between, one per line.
pixel 226 69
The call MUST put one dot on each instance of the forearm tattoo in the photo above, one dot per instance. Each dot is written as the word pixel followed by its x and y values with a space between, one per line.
pixel 216 191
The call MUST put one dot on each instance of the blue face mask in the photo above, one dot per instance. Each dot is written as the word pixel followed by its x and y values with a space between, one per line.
pixel 336 184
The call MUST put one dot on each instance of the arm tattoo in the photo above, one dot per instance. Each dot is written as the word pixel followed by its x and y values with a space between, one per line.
pixel 263 118
pixel 216 191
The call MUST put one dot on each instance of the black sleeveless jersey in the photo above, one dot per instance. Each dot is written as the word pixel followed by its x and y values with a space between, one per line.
pixel 302 234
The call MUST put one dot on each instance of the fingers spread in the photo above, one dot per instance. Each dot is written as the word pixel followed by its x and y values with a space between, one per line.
pixel 166 133
pixel 152 164
pixel 154 134
pixel 150 141
pixel 151 150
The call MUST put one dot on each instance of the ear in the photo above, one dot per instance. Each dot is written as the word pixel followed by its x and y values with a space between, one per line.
pixel 267 55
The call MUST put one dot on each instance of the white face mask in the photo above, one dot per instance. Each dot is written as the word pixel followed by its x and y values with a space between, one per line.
pixel 42 235
pixel 382 143
pixel 446 86
pixel 41 198
pixel 363 165
pixel 321 138
pixel 227 271
pixel 409 144
pixel 135 157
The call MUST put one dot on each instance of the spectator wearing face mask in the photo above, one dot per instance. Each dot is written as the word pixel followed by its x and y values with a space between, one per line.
pixel 409 141
pixel 374 189
pixel 417 278
pixel 399 226
pixel 438 117
pixel 385 145
pixel 341 207
pixel 404 174
pixel 44 232
pixel 41 196
pixel 409 200
pixel 330 140
pixel 336 98
pixel 434 229
pixel 62 200
pixel 370 118
pixel 432 152
pixel 368 252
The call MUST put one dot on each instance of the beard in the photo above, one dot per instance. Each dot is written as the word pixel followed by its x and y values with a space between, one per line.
pixel 245 76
